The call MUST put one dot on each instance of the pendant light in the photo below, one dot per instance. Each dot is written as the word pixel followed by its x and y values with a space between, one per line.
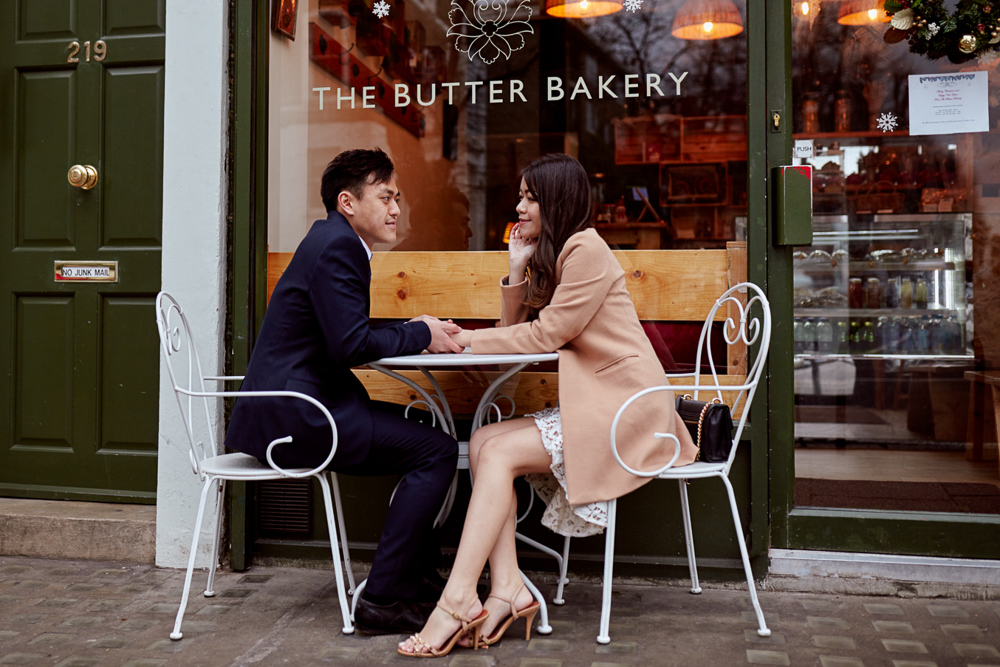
pixel 806 10
pixel 707 19
pixel 862 12
pixel 581 9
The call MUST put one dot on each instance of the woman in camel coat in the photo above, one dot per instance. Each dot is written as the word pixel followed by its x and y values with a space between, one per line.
pixel 572 300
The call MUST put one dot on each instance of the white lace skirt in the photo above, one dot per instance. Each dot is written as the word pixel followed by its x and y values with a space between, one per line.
pixel 560 516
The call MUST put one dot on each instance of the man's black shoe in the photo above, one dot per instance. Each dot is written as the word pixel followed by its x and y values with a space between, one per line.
pixel 399 618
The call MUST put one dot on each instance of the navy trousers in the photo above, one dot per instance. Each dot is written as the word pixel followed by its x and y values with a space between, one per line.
pixel 425 458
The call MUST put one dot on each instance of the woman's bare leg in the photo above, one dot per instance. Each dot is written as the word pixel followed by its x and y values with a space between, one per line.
pixel 501 457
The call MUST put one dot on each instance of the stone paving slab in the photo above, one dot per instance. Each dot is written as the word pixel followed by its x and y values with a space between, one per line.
pixel 87 613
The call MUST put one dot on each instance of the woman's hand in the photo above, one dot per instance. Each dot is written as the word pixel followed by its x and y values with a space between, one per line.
pixel 462 338
pixel 519 251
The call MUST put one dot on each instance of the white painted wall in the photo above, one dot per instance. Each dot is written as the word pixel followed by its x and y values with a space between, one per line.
pixel 194 241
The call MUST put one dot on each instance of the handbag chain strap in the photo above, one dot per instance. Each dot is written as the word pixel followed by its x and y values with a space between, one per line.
pixel 701 420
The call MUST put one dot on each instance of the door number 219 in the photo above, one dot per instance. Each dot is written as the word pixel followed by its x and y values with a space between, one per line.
pixel 100 50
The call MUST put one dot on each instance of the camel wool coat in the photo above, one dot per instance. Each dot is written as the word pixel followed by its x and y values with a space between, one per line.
pixel 604 358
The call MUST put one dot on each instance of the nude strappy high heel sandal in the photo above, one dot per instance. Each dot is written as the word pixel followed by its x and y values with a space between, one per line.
pixel 469 627
pixel 528 613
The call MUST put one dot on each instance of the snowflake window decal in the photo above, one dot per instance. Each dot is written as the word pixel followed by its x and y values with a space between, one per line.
pixel 887 122
pixel 381 9
pixel 633 5
pixel 494 29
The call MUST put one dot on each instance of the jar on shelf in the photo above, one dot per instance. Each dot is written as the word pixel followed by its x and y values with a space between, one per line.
pixel 924 336
pixel 906 293
pixel 855 293
pixel 842 112
pixel 842 337
pixel 868 342
pixel 810 113
pixel 824 336
pixel 798 335
pixel 809 337
pixel 892 289
pixel 920 294
pixel 873 293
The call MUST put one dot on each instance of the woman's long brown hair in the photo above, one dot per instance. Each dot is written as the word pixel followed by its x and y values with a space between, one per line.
pixel 559 184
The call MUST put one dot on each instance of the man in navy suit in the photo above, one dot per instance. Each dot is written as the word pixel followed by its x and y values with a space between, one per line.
pixel 315 330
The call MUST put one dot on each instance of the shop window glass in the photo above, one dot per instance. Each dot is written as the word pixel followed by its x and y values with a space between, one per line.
pixel 893 332
pixel 650 96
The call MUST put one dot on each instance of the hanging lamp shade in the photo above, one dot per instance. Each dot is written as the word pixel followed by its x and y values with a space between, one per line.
pixel 707 19
pixel 581 9
pixel 862 12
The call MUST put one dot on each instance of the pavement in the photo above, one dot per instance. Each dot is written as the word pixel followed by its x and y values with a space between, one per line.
pixel 81 613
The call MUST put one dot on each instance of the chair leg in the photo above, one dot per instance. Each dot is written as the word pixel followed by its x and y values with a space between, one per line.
pixel 689 537
pixel 343 532
pixel 176 634
pixel 357 596
pixel 609 557
pixel 213 564
pixel 543 622
pixel 324 484
pixel 563 566
pixel 762 629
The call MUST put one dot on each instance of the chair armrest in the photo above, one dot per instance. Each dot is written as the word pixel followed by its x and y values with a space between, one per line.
pixel 223 378
pixel 287 394
pixel 667 436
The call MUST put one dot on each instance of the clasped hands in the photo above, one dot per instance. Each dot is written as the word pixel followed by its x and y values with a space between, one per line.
pixel 446 336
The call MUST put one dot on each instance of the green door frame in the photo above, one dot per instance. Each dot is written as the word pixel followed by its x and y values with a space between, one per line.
pixel 864 531
pixel 247 263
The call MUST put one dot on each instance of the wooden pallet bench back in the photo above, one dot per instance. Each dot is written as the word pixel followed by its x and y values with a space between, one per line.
pixel 665 285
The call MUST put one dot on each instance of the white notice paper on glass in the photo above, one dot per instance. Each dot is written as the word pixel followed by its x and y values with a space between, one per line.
pixel 949 103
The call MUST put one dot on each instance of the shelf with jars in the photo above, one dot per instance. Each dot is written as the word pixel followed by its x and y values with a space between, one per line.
pixel 868 173
pixel 883 286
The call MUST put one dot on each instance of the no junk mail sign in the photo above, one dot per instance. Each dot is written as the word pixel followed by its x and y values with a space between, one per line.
pixel 95 272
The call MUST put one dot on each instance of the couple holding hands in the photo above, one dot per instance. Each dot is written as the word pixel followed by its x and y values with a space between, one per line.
pixel 565 292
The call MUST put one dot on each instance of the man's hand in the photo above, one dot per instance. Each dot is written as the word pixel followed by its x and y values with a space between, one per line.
pixel 441 334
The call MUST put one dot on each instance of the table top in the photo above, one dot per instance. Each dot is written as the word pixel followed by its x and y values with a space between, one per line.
pixel 465 359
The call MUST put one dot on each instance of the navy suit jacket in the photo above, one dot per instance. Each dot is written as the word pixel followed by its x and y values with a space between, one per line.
pixel 315 330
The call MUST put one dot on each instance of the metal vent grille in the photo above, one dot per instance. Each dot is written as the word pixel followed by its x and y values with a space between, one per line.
pixel 285 506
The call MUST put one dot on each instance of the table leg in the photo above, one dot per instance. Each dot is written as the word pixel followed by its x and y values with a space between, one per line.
pixel 447 423
pixel 487 399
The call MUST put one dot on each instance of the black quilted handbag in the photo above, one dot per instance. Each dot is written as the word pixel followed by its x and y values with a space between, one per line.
pixel 710 425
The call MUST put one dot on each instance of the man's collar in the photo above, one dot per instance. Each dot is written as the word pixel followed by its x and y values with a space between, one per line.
pixel 367 249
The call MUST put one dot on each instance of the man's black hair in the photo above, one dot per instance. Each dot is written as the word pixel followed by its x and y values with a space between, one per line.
pixel 351 171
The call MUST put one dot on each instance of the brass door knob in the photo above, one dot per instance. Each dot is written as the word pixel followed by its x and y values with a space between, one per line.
pixel 82 176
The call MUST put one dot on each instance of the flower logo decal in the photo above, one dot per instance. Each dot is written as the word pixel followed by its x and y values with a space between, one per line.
pixel 493 30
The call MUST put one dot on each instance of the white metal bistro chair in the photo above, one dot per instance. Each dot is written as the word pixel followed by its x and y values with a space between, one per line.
pixel 188 381
pixel 741 328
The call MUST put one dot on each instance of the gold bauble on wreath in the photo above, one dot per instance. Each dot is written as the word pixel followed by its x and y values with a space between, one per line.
pixel 968 43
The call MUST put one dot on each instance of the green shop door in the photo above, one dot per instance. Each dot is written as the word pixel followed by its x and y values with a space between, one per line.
pixel 81 83
pixel 883 428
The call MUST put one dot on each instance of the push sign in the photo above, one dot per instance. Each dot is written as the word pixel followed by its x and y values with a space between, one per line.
pixel 96 272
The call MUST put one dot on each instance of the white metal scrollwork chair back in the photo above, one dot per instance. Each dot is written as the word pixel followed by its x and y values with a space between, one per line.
pixel 748 322
pixel 188 381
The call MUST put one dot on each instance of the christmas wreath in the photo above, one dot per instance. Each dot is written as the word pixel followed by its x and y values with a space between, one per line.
pixel 973 29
